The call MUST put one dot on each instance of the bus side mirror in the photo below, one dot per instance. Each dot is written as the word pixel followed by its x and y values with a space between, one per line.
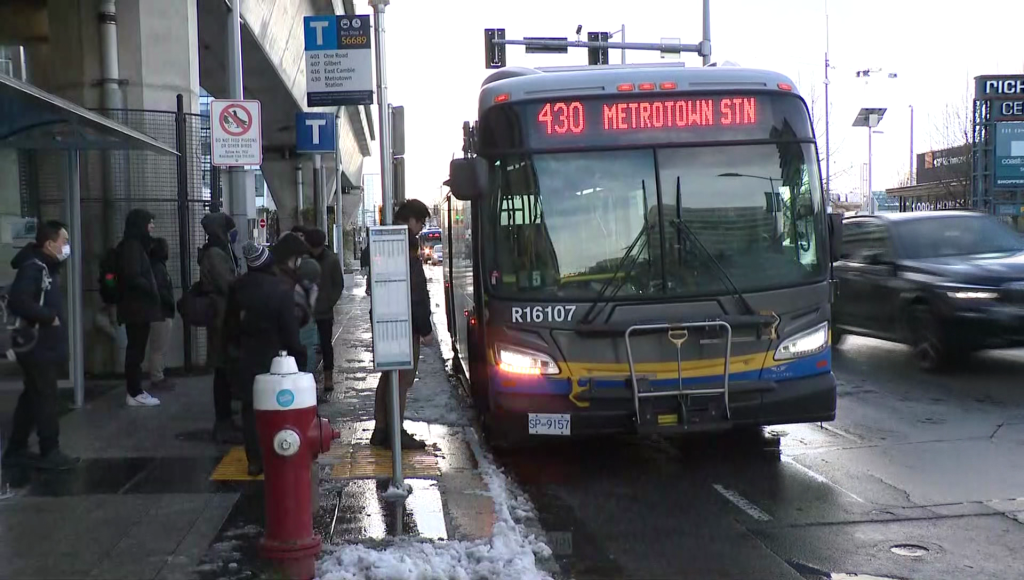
pixel 467 178
pixel 835 235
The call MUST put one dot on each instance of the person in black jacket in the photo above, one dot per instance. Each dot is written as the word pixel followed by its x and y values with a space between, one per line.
pixel 160 332
pixel 331 287
pixel 414 214
pixel 259 323
pixel 35 297
pixel 139 303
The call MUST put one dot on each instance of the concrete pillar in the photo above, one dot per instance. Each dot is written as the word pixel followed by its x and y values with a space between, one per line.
pixel 158 58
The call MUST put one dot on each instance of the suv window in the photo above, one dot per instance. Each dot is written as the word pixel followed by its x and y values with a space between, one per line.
pixel 861 237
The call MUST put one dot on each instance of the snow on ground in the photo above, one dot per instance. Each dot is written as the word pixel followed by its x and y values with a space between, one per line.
pixel 511 553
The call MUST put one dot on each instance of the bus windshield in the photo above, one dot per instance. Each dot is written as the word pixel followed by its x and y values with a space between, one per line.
pixel 564 224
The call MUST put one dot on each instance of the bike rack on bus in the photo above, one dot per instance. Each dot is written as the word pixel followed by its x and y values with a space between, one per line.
pixel 677 334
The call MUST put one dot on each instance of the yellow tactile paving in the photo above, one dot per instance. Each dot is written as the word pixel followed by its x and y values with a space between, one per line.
pixel 347 462
pixel 233 467
pixel 366 462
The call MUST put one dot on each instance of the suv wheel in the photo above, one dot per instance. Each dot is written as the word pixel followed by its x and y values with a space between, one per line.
pixel 926 339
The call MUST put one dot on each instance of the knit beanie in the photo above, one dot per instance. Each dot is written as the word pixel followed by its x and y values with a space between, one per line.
pixel 255 254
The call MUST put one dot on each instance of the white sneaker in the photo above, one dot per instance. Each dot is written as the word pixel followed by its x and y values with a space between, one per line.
pixel 143 400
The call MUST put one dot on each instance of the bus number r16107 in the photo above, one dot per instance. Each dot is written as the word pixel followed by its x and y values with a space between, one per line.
pixel 542 313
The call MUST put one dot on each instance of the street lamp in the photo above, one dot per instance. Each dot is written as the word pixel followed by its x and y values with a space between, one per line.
pixel 870 118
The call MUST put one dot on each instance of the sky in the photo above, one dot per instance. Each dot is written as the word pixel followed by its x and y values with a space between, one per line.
pixel 435 64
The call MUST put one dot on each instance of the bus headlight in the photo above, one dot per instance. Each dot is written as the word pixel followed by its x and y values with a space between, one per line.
pixel 521 361
pixel 806 343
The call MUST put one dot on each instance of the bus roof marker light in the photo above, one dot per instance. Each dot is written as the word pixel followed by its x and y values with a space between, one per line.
pixel 786 87
pixel 646 86
pixel 668 86
pixel 502 98
pixel 625 87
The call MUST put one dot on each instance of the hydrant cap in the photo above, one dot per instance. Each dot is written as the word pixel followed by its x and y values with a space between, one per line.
pixel 283 365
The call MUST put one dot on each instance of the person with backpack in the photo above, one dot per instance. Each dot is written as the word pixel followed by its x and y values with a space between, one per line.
pixel 41 345
pixel 331 285
pixel 218 269
pixel 138 305
pixel 160 332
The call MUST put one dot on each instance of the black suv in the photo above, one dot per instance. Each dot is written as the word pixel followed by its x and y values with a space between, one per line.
pixel 947 283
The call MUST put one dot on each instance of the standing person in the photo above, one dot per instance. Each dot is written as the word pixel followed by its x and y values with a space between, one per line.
pixel 35 297
pixel 139 304
pixel 218 269
pixel 412 213
pixel 332 284
pixel 160 332
pixel 261 321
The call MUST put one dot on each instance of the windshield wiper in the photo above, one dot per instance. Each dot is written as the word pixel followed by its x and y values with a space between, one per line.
pixel 720 272
pixel 640 241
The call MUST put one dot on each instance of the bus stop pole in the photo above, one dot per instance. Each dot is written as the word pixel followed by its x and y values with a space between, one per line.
pixel 76 287
pixel 386 162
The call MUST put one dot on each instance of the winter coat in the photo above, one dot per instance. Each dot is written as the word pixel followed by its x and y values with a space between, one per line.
pixel 260 322
pixel 23 300
pixel 332 284
pixel 140 296
pixel 218 269
pixel 158 259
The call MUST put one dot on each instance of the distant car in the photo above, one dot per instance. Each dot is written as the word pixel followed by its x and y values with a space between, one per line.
pixel 437 255
pixel 946 283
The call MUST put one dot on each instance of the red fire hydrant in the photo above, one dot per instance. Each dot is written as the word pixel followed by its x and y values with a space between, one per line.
pixel 291 437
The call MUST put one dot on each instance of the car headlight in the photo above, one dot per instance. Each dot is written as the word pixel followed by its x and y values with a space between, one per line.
pixel 520 361
pixel 973 294
pixel 806 343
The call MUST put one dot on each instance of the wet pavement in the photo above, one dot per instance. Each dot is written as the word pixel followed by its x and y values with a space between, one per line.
pixel 916 479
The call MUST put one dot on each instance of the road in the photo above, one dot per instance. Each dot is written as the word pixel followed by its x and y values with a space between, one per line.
pixel 916 479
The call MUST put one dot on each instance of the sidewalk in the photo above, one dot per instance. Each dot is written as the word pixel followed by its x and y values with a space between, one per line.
pixel 154 498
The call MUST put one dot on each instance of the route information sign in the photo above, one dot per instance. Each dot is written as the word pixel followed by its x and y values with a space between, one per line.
pixel 339 61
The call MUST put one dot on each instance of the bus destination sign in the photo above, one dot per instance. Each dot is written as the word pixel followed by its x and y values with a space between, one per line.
pixel 640 120
pixel 573 117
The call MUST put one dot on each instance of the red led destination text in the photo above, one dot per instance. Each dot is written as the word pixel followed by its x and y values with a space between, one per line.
pixel 561 118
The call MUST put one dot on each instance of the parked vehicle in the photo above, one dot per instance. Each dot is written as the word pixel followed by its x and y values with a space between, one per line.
pixel 946 283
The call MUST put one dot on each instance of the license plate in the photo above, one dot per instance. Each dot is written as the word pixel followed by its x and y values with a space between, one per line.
pixel 549 424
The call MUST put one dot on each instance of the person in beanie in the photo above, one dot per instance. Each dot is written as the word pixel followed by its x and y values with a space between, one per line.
pixel 259 323
pixel 218 268
pixel 139 304
pixel 160 331
pixel 332 284
pixel 412 213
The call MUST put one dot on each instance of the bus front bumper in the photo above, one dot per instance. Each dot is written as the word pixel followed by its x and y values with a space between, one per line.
pixel 751 403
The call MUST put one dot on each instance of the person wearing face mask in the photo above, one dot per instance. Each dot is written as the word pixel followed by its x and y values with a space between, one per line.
pixel 262 321
pixel 218 268
pixel 139 304
pixel 35 297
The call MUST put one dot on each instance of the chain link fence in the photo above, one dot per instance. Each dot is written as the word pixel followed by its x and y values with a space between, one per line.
pixel 177 191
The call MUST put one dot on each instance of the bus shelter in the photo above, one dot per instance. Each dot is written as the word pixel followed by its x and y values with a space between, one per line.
pixel 32 119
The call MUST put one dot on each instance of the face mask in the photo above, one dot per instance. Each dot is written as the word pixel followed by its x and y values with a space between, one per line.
pixel 233 236
pixel 65 252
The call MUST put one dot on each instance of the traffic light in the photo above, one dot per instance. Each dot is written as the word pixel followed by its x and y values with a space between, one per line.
pixel 495 52
pixel 596 56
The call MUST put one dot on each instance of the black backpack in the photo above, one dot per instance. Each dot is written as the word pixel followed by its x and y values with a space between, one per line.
pixel 110 290
pixel 16 334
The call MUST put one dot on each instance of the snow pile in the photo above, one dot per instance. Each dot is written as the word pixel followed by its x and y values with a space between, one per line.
pixel 509 554
pixel 433 398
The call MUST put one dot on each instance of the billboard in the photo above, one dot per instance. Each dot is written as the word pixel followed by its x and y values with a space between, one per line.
pixel 1005 94
pixel 952 164
pixel 1009 158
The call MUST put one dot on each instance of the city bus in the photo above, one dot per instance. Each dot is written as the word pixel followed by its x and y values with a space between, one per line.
pixel 428 238
pixel 640 248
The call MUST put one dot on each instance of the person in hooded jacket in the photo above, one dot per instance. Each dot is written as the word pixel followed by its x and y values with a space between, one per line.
pixel 35 297
pixel 261 321
pixel 160 332
pixel 218 269
pixel 138 306
pixel 332 285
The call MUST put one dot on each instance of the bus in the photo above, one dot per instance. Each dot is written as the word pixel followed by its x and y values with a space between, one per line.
pixel 640 248
pixel 428 238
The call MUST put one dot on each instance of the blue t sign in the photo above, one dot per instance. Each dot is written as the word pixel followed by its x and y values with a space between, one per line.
pixel 321 32
pixel 315 133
